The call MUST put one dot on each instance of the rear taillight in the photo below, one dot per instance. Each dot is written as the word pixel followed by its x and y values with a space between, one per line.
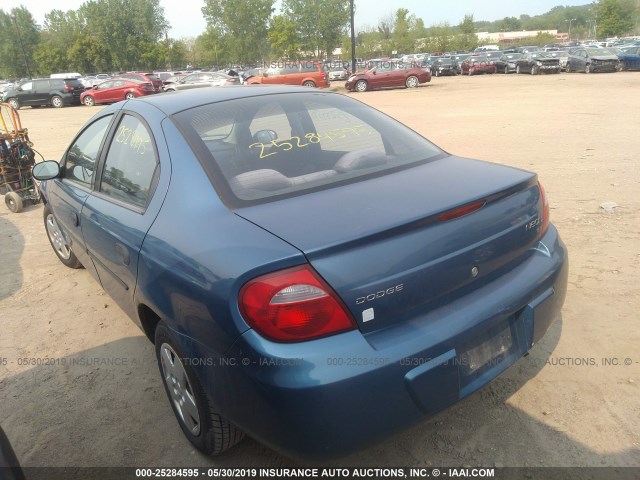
pixel 461 211
pixel 293 305
pixel 68 88
pixel 545 210
pixel 231 80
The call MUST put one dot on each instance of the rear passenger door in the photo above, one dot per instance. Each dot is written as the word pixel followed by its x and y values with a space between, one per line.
pixel 121 209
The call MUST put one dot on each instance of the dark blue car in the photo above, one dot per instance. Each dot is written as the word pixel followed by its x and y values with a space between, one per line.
pixel 630 58
pixel 312 272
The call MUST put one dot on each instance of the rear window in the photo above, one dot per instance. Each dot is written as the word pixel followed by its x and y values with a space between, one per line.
pixel 274 146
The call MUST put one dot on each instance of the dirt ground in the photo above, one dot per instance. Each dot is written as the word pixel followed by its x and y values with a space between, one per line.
pixel 575 401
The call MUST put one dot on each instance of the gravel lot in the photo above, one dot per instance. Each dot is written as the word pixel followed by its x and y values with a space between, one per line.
pixel 573 402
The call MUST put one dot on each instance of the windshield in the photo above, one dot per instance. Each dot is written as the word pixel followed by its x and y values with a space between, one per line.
pixel 272 146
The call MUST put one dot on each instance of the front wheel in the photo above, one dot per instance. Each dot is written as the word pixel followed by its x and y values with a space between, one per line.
pixel 15 104
pixel 587 68
pixel 203 427
pixel 309 83
pixel 567 68
pixel 89 101
pixel 57 102
pixel 59 241
pixel 534 70
pixel 361 86
pixel 130 95
pixel 517 69
pixel 620 67
pixel 412 82
pixel 506 70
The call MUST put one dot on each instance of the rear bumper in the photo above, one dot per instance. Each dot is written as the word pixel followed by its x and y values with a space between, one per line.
pixel 334 395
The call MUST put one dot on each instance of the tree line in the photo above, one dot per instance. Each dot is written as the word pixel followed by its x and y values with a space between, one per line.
pixel 123 35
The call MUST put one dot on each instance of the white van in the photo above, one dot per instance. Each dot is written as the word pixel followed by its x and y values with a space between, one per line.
pixel 65 75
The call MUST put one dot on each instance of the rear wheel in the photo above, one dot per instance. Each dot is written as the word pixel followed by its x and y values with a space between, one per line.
pixel 412 82
pixel 309 83
pixel 59 241
pixel 203 427
pixel 14 202
pixel 361 86
pixel 57 102
pixel 620 67
pixel 130 95
pixel 89 101
pixel 15 104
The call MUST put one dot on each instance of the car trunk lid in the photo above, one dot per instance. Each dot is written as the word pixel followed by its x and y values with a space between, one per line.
pixel 396 246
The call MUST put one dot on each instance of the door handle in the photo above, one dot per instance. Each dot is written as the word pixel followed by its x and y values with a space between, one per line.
pixel 75 220
pixel 123 253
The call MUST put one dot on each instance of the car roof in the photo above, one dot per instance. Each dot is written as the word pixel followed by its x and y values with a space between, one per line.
pixel 174 102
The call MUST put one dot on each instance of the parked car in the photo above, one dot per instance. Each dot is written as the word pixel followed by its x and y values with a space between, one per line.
pixel 233 226
pixel 562 56
pixel 507 62
pixel 203 79
pixel 337 72
pixel 458 59
pixel 151 78
pixel 537 62
pixel 56 92
pixel 168 82
pixel 387 75
pixel 116 90
pixel 443 66
pixel 477 64
pixel 630 58
pixel 307 74
pixel 588 60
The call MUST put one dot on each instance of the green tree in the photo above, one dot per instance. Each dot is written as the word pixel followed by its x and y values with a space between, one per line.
pixel 19 38
pixel 243 22
pixel 467 40
pixel 615 17
pixel 128 29
pixel 320 24
pixel 510 24
pixel 283 38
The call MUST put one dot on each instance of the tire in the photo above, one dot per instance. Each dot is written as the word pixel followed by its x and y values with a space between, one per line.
pixel 567 68
pixel 506 70
pixel 203 427
pixel 436 73
pixel 89 101
pixel 361 86
pixel 620 67
pixel 130 96
pixel 309 83
pixel 14 202
pixel 587 68
pixel 15 104
pixel 412 81
pixel 57 101
pixel 58 241
pixel 534 70
pixel 517 69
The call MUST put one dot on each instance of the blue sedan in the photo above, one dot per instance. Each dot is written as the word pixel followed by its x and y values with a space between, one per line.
pixel 312 272
pixel 630 58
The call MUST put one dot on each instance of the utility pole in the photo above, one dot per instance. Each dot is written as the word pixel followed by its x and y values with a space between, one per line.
pixel 570 21
pixel 24 54
pixel 353 41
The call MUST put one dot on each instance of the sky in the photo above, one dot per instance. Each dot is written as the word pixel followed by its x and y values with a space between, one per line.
pixel 186 20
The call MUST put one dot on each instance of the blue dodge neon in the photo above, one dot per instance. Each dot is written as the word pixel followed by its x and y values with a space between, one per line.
pixel 312 272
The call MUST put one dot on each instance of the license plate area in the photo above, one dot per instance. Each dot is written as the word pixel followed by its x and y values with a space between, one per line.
pixel 486 351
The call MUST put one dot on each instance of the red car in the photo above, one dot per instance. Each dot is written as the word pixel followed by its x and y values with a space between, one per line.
pixel 477 64
pixel 151 78
pixel 388 74
pixel 115 90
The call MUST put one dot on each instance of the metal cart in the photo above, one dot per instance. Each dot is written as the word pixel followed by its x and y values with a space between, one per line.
pixel 17 158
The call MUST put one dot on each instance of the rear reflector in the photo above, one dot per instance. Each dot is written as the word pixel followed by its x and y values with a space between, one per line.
pixel 293 305
pixel 461 211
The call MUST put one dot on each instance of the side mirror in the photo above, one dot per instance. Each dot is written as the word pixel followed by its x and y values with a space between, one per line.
pixel 46 170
